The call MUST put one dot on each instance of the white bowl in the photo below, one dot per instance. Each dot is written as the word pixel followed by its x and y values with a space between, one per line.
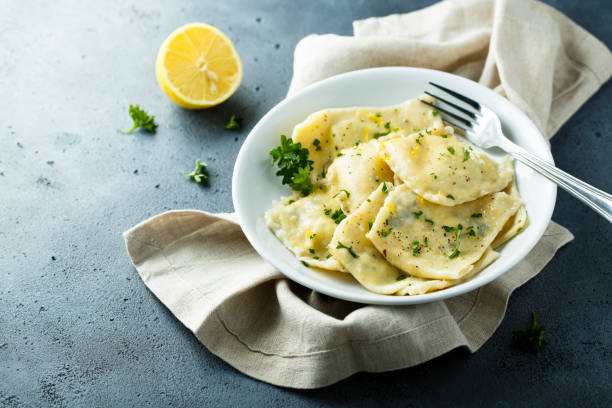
pixel 255 185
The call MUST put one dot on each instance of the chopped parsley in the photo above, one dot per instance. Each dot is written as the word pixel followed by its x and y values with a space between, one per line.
pixel 317 144
pixel 380 134
pixel 476 215
pixel 418 214
pixel 450 196
pixel 456 252
pixel 444 136
pixel 327 211
pixel 448 229
pixel 428 131
pixel 451 149
pixel 199 172
pixel 429 221
pixel 401 276
pixel 415 248
pixel 384 233
pixel 305 264
pixel 311 250
pixel 425 241
pixel 470 231
pixel 328 256
pixel 466 154
pixel 293 164
pixel 434 112
pixel 349 249
pixel 314 234
pixel 532 338
pixel 370 223
pixel 434 175
pixel 338 216
pixel 342 191
pixel 234 123
pixel 340 155
pixel 141 120
pixel 385 189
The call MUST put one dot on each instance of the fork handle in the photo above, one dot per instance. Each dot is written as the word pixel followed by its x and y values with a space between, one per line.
pixel 598 200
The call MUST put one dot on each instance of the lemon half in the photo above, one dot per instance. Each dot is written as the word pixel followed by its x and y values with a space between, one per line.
pixel 198 66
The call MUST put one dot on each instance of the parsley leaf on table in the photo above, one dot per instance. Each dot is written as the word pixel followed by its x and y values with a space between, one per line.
pixel 234 123
pixel 293 164
pixel 199 173
pixel 141 120
pixel 532 338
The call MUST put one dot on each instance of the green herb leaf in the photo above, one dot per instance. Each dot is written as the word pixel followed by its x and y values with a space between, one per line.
pixel 434 175
pixel 429 221
pixel 444 136
pixel 314 234
pixel 385 189
pixel 370 223
pixel 434 112
pixel 317 144
pixel 401 276
pixel 234 123
pixel 305 264
pixel 415 248
pixel 448 229
pixel 327 211
pixel 476 215
pixel 349 249
pixel 384 233
pixel 456 252
pixel 532 338
pixel 451 149
pixel 338 216
pixel 294 166
pixel 340 155
pixel 342 191
pixel 199 173
pixel 311 250
pixel 141 120
pixel 466 154
pixel 450 196
pixel 418 214
pixel 381 134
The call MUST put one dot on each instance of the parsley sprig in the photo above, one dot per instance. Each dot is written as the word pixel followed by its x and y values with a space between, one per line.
pixel 199 172
pixel 349 249
pixel 141 120
pixel 293 164
pixel 234 123
pixel 532 338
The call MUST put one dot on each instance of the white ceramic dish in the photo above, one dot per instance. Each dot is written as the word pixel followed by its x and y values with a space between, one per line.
pixel 255 186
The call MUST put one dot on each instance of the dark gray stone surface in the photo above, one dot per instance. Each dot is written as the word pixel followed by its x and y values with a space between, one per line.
pixel 78 327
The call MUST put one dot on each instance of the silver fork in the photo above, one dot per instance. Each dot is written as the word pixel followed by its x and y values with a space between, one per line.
pixel 483 128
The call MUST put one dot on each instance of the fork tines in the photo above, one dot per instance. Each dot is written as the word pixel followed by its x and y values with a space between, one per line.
pixel 455 116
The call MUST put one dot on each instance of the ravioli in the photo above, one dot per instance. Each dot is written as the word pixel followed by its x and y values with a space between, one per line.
pixel 517 223
pixel 327 132
pixel 419 286
pixel 438 242
pixel 355 174
pixel 358 255
pixel 443 169
pixel 304 227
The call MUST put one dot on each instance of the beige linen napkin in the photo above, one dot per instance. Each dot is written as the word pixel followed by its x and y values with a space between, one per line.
pixel 203 269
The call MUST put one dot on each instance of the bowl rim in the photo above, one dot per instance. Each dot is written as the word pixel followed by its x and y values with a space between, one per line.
pixel 371 297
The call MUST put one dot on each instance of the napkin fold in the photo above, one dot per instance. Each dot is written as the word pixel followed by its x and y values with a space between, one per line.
pixel 241 308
